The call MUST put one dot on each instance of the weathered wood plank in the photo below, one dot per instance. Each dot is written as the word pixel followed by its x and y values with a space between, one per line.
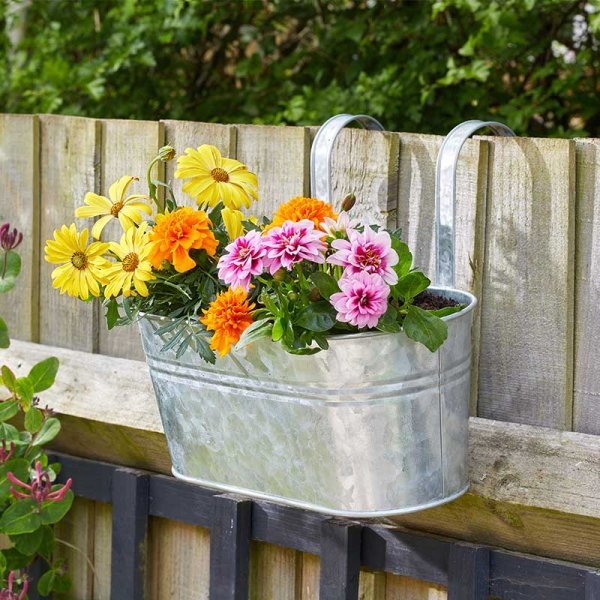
pixel 416 218
pixel 179 557
pixel 366 163
pixel 68 161
pixel 102 559
pixel 280 158
pixel 526 360
pixel 76 544
pixel 19 174
pixel 189 134
pixel 468 572
pixel 274 572
pixel 127 149
pixel 586 401
pixel 405 588
pixel 311 569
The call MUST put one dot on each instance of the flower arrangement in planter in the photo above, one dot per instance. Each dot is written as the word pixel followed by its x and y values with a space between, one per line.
pixel 30 500
pixel 299 357
pixel 299 277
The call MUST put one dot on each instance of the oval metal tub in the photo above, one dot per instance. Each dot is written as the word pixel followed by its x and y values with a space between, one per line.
pixel 377 425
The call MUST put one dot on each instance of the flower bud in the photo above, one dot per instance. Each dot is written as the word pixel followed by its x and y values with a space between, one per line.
pixel 314 295
pixel 9 240
pixel 292 296
pixel 279 275
pixel 166 153
pixel 348 202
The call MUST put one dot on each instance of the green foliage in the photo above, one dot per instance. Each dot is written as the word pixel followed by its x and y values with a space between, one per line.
pixel 30 503
pixel 416 65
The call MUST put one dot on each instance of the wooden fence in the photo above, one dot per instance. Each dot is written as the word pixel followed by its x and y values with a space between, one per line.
pixel 528 238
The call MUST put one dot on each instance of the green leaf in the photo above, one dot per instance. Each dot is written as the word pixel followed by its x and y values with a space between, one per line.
pixel 24 389
pixel 8 409
pixel 21 517
pixel 11 271
pixel 326 284
pixel 8 378
pixel 9 432
pixel 421 326
pixel 19 467
pixel 47 542
pixel 388 322
pixel 53 580
pixel 28 543
pixel 48 432
pixel 317 316
pixel 53 511
pixel 43 374
pixel 411 285
pixel 34 418
pixel 277 330
pixel 4 339
pixel 257 330
pixel 405 257
pixel 112 313
pixel 447 310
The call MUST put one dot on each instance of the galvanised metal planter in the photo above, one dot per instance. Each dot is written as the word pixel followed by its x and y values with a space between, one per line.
pixel 376 425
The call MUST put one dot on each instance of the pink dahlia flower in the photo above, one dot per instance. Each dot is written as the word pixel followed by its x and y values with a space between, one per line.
pixel 370 251
pixel 244 260
pixel 291 243
pixel 362 300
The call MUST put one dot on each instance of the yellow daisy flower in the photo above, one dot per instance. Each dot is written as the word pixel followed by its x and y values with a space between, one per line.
pixel 130 273
pixel 232 219
pixel 214 178
pixel 126 209
pixel 81 265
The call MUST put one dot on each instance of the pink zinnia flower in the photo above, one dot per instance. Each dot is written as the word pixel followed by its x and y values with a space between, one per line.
pixel 342 225
pixel 363 299
pixel 244 261
pixel 370 251
pixel 293 242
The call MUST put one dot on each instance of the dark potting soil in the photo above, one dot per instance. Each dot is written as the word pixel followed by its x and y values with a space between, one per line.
pixel 429 301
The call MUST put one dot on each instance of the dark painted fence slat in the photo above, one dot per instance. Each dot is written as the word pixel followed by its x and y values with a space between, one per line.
pixel 340 560
pixel 468 572
pixel 230 548
pixel 129 534
pixel 592 585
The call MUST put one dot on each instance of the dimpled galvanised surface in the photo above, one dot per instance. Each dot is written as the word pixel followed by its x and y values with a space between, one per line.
pixel 376 425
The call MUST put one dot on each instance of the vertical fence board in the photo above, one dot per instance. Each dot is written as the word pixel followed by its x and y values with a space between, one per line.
pixel 586 413
pixel 76 532
pixel 366 163
pixel 188 134
pixel 19 171
pixel 311 570
pixel 280 158
pixel 526 357
pixel 179 561
pixel 273 572
pixel 406 588
pixel 68 162
pixel 127 149
pixel 102 558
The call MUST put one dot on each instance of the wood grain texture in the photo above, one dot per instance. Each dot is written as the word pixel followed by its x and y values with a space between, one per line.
pixel 102 559
pixel 366 163
pixel 275 572
pixel 586 400
pixel 526 360
pixel 405 588
pixel 279 157
pixel 68 161
pixel 189 134
pixel 127 149
pixel 19 174
pixel 179 557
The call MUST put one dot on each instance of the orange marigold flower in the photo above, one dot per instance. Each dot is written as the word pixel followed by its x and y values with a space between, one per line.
pixel 300 208
pixel 178 232
pixel 228 316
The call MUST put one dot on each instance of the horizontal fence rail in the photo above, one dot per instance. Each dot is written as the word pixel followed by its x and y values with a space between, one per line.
pixel 470 571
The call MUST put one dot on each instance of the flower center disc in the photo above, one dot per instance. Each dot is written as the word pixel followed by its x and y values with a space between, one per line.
pixel 115 208
pixel 130 262
pixel 220 175
pixel 79 260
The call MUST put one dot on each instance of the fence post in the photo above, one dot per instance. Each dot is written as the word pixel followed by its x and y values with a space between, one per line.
pixel 230 547
pixel 340 560
pixel 129 534
pixel 468 572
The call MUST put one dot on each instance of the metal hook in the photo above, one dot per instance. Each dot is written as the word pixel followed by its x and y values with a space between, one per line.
pixel 320 152
pixel 445 193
